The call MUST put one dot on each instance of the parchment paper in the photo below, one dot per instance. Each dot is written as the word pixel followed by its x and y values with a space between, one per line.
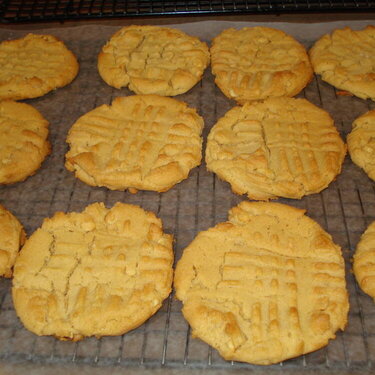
pixel 344 209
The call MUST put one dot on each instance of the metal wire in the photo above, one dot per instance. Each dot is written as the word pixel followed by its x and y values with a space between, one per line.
pixel 52 10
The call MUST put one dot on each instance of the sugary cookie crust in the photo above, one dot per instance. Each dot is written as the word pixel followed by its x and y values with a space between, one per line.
pixel 256 63
pixel 364 259
pixel 281 147
pixel 265 286
pixel 23 141
pixel 153 60
pixel 12 237
pixel 361 143
pixel 346 60
pixel 34 65
pixel 98 272
pixel 145 142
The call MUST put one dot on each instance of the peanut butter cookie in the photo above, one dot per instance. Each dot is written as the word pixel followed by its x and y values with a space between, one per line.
pixel 94 273
pixel 364 261
pixel 153 60
pixel 281 147
pixel 34 65
pixel 12 237
pixel 256 63
pixel 265 286
pixel 23 141
pixel 346 59
pixel 361 143
pixel 145 142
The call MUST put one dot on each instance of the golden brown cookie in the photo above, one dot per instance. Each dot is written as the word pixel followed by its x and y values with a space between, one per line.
pixel 346 59
pixel 94 273
pixel 23 141
pixel 265 286
pixel 256 63
pixel 364 261
pixel 145 142
pixel 34 65
pixel 12 237
pixel 153 60
pixel 281 147
pixel 361 143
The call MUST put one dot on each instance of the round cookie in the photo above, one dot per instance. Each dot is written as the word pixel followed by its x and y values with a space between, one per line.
pixel 12 237
pixel 346 59
pixel 256 63
pixel 153 60
pixel 361 143
pixel 145 142
pixel 281 147
pixel 34 65
pixel 95 273
pixel 23 141
pixel 363 264
pixel 265 286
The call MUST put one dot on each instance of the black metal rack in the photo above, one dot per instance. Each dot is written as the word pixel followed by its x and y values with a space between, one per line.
pixel 59 10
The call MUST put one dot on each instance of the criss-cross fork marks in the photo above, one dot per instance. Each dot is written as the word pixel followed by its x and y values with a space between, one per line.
pixel 156 57
pixel 28 63
pixel 76 264
pixel 18 133
pixel 275 305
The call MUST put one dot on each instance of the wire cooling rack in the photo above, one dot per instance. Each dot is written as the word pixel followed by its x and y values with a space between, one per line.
pixel 344 209
pixel 52 10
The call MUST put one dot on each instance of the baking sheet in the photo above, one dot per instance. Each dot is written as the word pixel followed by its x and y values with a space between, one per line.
pixel 344 209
